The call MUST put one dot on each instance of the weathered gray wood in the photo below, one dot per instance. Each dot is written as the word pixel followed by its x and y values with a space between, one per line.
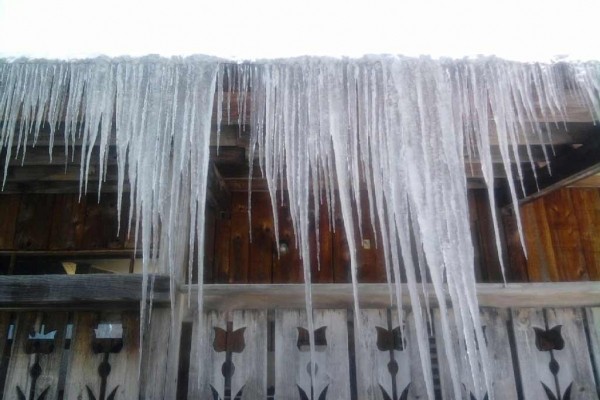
pixel 593 317
pixel 502 376
pixel 533 364
pixel 83 369
pixel 574 360
pixel 205 362
pixel 78 291
pixel 251 364
pixel 285 296
pixel 21 364
pixel 161 354
pixel 292 365
pixel 374 366
pixel 502 380
pixel 371 364
pixel 462 369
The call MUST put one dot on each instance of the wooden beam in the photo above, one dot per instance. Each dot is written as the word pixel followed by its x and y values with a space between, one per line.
pixel 271 296
pixel 217 194
pixel 95 291
pixel 579 163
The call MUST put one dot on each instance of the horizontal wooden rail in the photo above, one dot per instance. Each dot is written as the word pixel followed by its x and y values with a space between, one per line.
pixel 103 291
pixel 241 296
pixel 95 291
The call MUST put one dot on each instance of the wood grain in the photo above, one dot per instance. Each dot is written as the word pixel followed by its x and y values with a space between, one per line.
pixel 78 291
pixel 586 204
pixel 9 210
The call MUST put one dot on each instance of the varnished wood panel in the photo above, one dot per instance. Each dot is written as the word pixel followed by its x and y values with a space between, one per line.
pixel 34 222
pixel 222 245
pixel 9 209
pixel 586 204
pixel 240 242
pixel 287 266
pixel 68 219
pixel 566 240
pixel 101 223
pixel 263 239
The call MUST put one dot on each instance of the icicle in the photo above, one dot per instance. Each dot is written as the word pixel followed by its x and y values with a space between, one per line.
pixel 397 128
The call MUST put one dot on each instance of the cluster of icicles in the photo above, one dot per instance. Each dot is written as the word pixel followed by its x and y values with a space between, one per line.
pixel 396 128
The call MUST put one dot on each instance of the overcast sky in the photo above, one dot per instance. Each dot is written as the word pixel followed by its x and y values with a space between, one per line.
pixel 527 30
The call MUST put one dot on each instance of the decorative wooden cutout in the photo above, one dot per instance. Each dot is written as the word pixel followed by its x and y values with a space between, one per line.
pixel 551 340
pixel 303 342
pixel 228 341
pixel 293 378
pixel 390 339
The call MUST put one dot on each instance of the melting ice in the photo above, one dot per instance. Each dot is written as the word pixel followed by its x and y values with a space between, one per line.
pixel 398 128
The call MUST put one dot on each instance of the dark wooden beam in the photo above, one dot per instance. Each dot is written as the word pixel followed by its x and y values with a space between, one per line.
pixel 95 291
pixel 580 162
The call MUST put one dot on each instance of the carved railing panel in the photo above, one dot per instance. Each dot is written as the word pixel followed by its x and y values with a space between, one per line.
pixel 554 356
pixel 538 354
pixel 292 355
pixel 229 356
pixel 104 360
pixel 36 354
pixel 387 357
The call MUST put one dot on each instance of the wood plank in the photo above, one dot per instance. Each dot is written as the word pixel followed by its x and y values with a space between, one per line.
pixel 548 256
pixel 593 320
pixel 287 266
pixel 68 219
pixel 157 348
pixel 47 361
pixel 516 268
pixel 33 222
pixel 565 235
pixel 210 222
pixel 235 297
pixel 533 364
pixel 9 210
pixel 78 291
pixel 574 359
pixel 341 251
pixel 586 204
pixel 569 167
pixel 250 374
pixel 371 265
pixel 222 245
pixel 101 222
pixel 541 260
pixel 470 388
pixel 322 258
pixel 292 362
pixel 379 353
pixel 495 328
pixel 83 373
pixel 126 363
pixel 240 241
pixel 205 363
pixel 262 247
pixel 372 375
pixel 485 230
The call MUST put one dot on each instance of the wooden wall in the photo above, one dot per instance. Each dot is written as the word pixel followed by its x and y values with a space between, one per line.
pixel 562 235
pixel 237 259
pixel 51 222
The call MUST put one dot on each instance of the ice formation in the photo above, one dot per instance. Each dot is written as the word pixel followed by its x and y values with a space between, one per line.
pixel 399 128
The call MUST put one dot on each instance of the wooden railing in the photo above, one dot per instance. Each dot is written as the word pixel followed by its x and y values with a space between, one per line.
pixel 78 337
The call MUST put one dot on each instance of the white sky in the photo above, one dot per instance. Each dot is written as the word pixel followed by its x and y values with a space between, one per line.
pixel 524 30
